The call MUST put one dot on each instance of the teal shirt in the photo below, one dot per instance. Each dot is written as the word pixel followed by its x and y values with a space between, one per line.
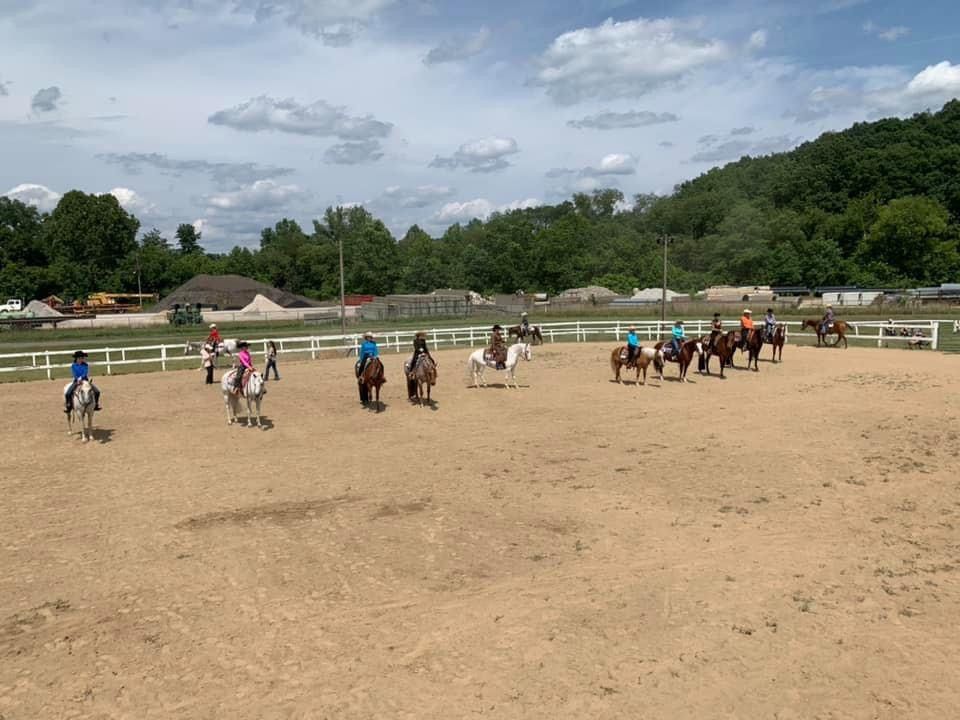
pixel 633 340
pixel 678 333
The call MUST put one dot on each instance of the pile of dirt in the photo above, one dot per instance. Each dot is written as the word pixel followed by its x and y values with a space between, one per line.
pixel 230 292
pixel 41 309
pixel 261 304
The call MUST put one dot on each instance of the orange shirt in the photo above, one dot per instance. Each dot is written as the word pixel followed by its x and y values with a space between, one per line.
pixel 746 322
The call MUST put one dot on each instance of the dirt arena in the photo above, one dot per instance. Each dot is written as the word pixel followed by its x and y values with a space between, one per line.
pixel 776 545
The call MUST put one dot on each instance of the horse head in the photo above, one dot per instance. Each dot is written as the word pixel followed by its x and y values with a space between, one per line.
pixel 699 347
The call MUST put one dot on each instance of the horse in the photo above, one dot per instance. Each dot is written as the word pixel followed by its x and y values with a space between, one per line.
pixel 477 363
pixel 839 328
pixel 723 347
pixel 224 347
pixel 536 337
pixel 253 392
pixel 618 359
pixel 372 378
pixel 776 340
pixel 81 409
pixel 424 376
pixel 753 346
pixel 683 358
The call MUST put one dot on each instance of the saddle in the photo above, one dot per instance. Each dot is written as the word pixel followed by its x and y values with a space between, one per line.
pixel 247 374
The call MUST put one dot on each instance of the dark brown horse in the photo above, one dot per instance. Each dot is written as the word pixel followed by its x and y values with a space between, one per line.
pixel 372 378
pixel 618 359
pixel 687 350
pixel 536 337
pixel 752 346
pixel 777 340
pixel 723 347
pixel 424 376
pixel 839 328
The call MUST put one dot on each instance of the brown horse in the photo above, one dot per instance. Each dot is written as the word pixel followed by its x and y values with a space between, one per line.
pixel 683 358
pixel 839 328
pixel 425 376
pixel 372 377
pixel 777 340
pixel 753 346
pixel 536 337
pixel 618 359
pixel 723 347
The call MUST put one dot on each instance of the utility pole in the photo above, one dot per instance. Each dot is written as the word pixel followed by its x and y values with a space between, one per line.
pixel 139 288
pixel 339 231
pixel 664 240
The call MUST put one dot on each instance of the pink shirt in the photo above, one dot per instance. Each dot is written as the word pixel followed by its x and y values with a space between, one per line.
pixel 244 358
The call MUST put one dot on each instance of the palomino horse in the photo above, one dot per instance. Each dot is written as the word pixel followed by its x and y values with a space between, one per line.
pixel 776 340
pixel 372 377
pixel 478 363
pixel 81 409
pixel 253 392
pixel 839 328
pixel 424 376
pixel 618 359
pixel 752 346
pixel 684 358
pixel 723 347
pixel 533 332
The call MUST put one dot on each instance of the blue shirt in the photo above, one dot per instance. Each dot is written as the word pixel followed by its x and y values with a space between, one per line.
pixel 369 350
pixel 678 333
pixel 81 371
pixel 633 340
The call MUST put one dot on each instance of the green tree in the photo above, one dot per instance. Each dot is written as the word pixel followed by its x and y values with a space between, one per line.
pixel 907 233
pixel 188 239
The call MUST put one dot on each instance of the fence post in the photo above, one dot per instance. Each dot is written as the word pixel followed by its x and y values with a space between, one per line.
pixel 618 329
pixel 313 348
pixel 879 337
pixel 551 334
pixel 578 331
pixel 123 354
pixel 33 360
pixel 471 336
pixel 435 338
pixel 934 334
pixel 163 357
pixel 108 362
pixel 49 369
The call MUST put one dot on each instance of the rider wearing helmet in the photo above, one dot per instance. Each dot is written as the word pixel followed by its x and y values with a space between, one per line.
pixel 80 371
pixel 746 327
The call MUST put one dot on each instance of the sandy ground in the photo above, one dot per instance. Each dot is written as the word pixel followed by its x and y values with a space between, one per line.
pixel 776 545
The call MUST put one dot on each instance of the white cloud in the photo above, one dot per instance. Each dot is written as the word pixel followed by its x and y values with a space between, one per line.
pixel 320 119
pixel 222 173
pixel 481 209
pixel 889 34
pixel 482 156
pixel 623 59
pixel 353 153
pixel 621 120
pixel 940 81
pixel 131 201
pixel 459 48
pixel 758 40
pixel 735 149
pixel 40 196
pixel 261 195
pixel 613 164
pixel 416 197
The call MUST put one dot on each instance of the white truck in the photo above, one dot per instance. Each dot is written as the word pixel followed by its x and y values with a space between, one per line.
pixel 12 306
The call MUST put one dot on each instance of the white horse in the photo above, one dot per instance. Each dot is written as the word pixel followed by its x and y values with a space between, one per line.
pixel 81 409
pixel 477 363
pixel 224 347
pixel 253 393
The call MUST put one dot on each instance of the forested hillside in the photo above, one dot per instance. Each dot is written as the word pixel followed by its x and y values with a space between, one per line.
pixel 877 204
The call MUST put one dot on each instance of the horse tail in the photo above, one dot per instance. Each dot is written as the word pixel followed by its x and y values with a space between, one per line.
pixel 615 360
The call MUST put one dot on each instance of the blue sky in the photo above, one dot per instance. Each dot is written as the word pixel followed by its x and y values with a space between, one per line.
pixel 231 114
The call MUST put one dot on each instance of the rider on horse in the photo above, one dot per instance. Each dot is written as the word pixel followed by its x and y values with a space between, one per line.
pixel 214 337
pixel 827 321
pixel 769 325
pixel 678 338
pixel 419 348
pixel 746 327
pixel 497 349
pixel 524 325
pixel 368 351
pixel 716 330
pixel 633 345
pixel 81 371
pixel 243 364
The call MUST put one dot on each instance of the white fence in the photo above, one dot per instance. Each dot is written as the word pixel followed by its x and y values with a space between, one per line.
pixel 173 355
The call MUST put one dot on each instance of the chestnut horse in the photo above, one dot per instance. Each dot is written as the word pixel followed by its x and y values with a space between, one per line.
pixel 373 378
pixel 777 340
pixel 753 346
pixel 723 347
pixel 683 358
pixel 839 328
pixel 618 359
pixel 536 337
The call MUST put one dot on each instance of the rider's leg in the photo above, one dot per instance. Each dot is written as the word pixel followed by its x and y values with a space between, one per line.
pixel 96 397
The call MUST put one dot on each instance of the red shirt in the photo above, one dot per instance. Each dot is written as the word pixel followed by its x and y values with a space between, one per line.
pixel 214 336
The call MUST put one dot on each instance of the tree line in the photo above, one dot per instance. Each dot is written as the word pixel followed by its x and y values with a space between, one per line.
pixel 875 205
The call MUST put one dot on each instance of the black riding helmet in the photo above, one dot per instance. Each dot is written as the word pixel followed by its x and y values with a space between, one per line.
pixel 497 327
pixel 79 354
